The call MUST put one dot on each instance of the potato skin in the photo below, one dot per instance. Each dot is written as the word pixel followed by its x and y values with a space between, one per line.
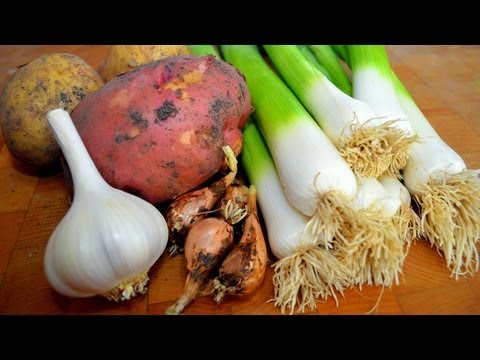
pixel 158 131
pixel 51 81
pixel 123 58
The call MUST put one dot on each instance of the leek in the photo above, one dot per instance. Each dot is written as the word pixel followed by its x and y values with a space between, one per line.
pixel 447 193
pixel 406 220
pixel 327 58
pixel 342 53
pixel 322 273
pixel 312 171
pixel 372 84
pixel 313 60
pixel 366 141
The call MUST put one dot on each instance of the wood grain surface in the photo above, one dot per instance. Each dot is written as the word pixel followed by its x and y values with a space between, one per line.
pixel 445 82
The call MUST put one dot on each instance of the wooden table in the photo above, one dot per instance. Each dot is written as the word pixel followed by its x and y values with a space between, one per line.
pixel 444 80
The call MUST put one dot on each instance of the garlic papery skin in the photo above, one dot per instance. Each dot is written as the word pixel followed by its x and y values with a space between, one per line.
pixel 109 239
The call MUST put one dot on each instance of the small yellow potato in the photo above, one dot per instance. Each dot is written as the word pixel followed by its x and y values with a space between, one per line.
pixel 124 58
pixel 49 82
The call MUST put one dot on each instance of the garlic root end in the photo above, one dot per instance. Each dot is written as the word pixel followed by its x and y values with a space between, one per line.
pixel 128 289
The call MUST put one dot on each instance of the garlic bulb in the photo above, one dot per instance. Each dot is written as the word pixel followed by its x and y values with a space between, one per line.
pixel 109 239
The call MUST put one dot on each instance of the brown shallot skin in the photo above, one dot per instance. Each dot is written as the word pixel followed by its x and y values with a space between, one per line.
pixel 243 270
pixel 192 207
pixel 206 245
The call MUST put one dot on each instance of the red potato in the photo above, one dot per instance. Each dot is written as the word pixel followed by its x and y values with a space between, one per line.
pixel 158 131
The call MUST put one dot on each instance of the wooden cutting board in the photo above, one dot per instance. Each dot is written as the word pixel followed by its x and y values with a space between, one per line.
pixel 445 82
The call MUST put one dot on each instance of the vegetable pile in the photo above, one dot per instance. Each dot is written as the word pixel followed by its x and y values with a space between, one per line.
pixel 347 170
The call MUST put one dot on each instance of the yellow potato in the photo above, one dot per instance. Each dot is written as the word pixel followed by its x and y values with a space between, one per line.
pixel 123 58
pixel 49 82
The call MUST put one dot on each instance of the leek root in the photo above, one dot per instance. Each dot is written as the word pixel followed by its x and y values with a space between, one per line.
pixel 376 254
pixel 310 273
pixel 450 219
pixel 371 151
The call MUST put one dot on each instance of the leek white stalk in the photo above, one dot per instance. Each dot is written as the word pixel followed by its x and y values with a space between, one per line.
pixel 367 141
pixel 447 193
pixel 371 76
pixel 371 193
pixel 372 84
pixel 305 270
pixel 109 239
pixel 316 179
